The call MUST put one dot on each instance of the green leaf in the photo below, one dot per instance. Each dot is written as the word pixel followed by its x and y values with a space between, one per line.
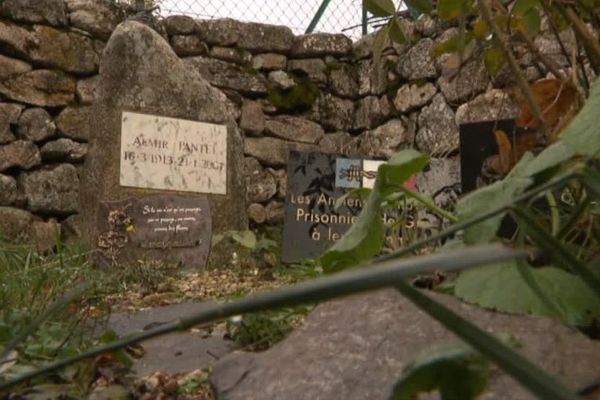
pixel 380 8
pixel 552 156
pixel 498 194
pixel 380 42
pixel 456 370
pixel 494 59
pixel 360 193
pixel 521 7
pixel 503 287
pixel 365 238
pixel 530 22
pixel 245 238
pixel 582 134
pixel 456 44
pixel 421 6
pixel 450 9
pixel 395 31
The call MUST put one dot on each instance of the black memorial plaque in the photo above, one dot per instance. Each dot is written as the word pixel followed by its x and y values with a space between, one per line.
pixel 160 227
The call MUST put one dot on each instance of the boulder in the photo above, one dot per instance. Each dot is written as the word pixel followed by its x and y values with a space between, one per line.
pixel 321 44
pixel 269 61
pixel 294 129
pixel 10 67
pixel 371 111
pixel 386 140
pixel 52 191
pixel 468 82
pixel 51 12
pixel 21 226
pixel 19 154
pixel 73 123
pixel 64 150
pixel 339 143
pixel 188 45
pixel 343 81
pixel 356 348
pixel 314 68
pixel 417 62
pixel 261 38
pixel 9 115
pixel 252 118
pixel 257 213
pixel 100 18
pixel 36 125
pixel 334 113
pixel 411 96
pixel 492 105
pixel 40 87
pixel 140 72
pixel 87 90
pixel 8 190
pixel 228 75
pixel 438 134
pixel 260 184
pixel 179 25
pixel 231 54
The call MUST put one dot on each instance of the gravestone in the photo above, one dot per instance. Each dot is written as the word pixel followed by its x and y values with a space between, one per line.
pixel 158 127
pixel 315 183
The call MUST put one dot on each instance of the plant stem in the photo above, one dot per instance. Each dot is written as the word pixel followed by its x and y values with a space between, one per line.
pixel 500 38
pixel 591 45
pixel 425 201
pixel 548 63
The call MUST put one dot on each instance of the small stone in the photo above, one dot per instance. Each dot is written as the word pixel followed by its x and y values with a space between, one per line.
pixel 51 191
pixel 294 129
pixel 262 38
pixel 188 45
pixel 269 62
pixel 51 12
pixel 321 44
pixel 219 32
pixel 275 211
pixel 100 18
pixel 35 124
pixel 87 90
pixel 179 25
pixel 550 48
pixel 334 113
pixel 9 115
pixel 417 62
pixel 438 134
pixel 411 96
pixel 343 82
pixel 373 78
pixel 260 184
pixel 235 55
pixel 493 105
pixel 314 68
pixel 385 140
pixel 427 26
pixel 257 213
pixel 8 190
pixel 73 122
pixel 19 154
pixel 281 80
pixel 371 112
pixel 469 81
pixel 339 143
pixel 252 119
pixel 267 150
pixel 10 67
pixel 281 177
pixel 41 87
pixel 14 223
pixel 64 150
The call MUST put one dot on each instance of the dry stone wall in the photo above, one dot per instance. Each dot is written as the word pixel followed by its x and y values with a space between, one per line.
pixel 318 92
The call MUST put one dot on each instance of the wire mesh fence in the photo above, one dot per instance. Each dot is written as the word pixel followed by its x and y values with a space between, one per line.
pixel 345 16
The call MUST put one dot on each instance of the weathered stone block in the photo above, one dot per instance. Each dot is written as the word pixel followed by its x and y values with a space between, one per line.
pixel 269 61
pixel 469 81
pixel 53 191
pixel 438 133
pixel 321 44
pixel 87 90
pixel 19 154
pixel 493 105
pixel 372 111
pixel 219 32
pixel 100 18
pixel 231 54
pixel 64 150
pixel 179 25
pixel 343 81
pixel 385 140
pixel 274 211
pixel 41 87
pixel 281 80
pixel 373 79
pixel 51 12
pixel 8 190
pixel 73 122
pixel 417 62
pixel 314 68
pixel 10 67
pixel 334 113
pixel 411 96
pixel 339 143
pixel 257 213
pixel 9 115
pixel 260 184
pixel 252 119
pixel 294 129
pixel 261 38
pixel 35 124
pixel 188 45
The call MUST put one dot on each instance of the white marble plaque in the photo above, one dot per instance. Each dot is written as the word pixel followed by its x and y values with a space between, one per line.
pixel 173 154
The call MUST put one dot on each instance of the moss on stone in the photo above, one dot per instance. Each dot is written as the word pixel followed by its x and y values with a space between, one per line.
pixel 299 98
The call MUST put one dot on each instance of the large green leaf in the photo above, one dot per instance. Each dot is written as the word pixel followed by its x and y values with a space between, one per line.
pixel 552 156
pixel 498 194
pixel 552 293
pixel 494 59
pixel 380 8
pixel 456 44
pixel 365 238
pixel 395 31
pixel 582 134
pixel 456 370
pixel 521 7
pixel 449 9
pixel 421 6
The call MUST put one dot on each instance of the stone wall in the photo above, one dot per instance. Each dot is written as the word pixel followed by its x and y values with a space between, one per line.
pixel 317 92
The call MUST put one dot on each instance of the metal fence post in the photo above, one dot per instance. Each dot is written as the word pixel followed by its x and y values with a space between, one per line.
pixel 317 17
pixel 365 20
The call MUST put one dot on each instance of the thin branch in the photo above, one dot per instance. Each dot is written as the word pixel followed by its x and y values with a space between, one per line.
pixel 548 63
pixel 590 43
pixel 500 38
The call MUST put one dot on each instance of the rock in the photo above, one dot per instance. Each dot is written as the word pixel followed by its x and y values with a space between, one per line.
pixel 363 47
pixel 257 213
pixel 111 392
pixel 19 154
pixel 469 81
pixel 343 81
pixel 228 75
pixel 252 119
pixel 73 123
pixel 43 235
pixel 550 48
pixel 70 228
pixel 179 25
pixel 314 68
pixel 385 140
pixel 9 115
pixel 87 90
pixel 269 62
pixel 100 18
pixel 188 45
pixel 355 358
pixel 219 32
pixel 281 177
pixel 8 190
pixel 53 190
pixel 140 72
pixel 411 96
pixel 339 143
pixel 51 12
pixel 35 124
pixel 41 87
pixel 64 150
pixel 267 150
pixel 10 67
pixel 373 78
pixel 438 133
pixel 260 184
pixel 441 181
pixel 417 63
pixel 15 39
pixel 21 226
pixel 281 80
pixel 371 111
pixel 294 129
pixel 321 44
pixel 261 38
pixel 334 113
pixel 275 211
pixel 235 55
pixel 427 26
pixel 492 105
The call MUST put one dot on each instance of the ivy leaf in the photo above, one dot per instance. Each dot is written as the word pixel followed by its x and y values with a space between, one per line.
pixel 582 134
pixel 494 59
pixel 456 370
pixel 380 8
pixel 504 288
pixel 395 31
pixel 421 6
pixel 450 9
pixel 380 42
